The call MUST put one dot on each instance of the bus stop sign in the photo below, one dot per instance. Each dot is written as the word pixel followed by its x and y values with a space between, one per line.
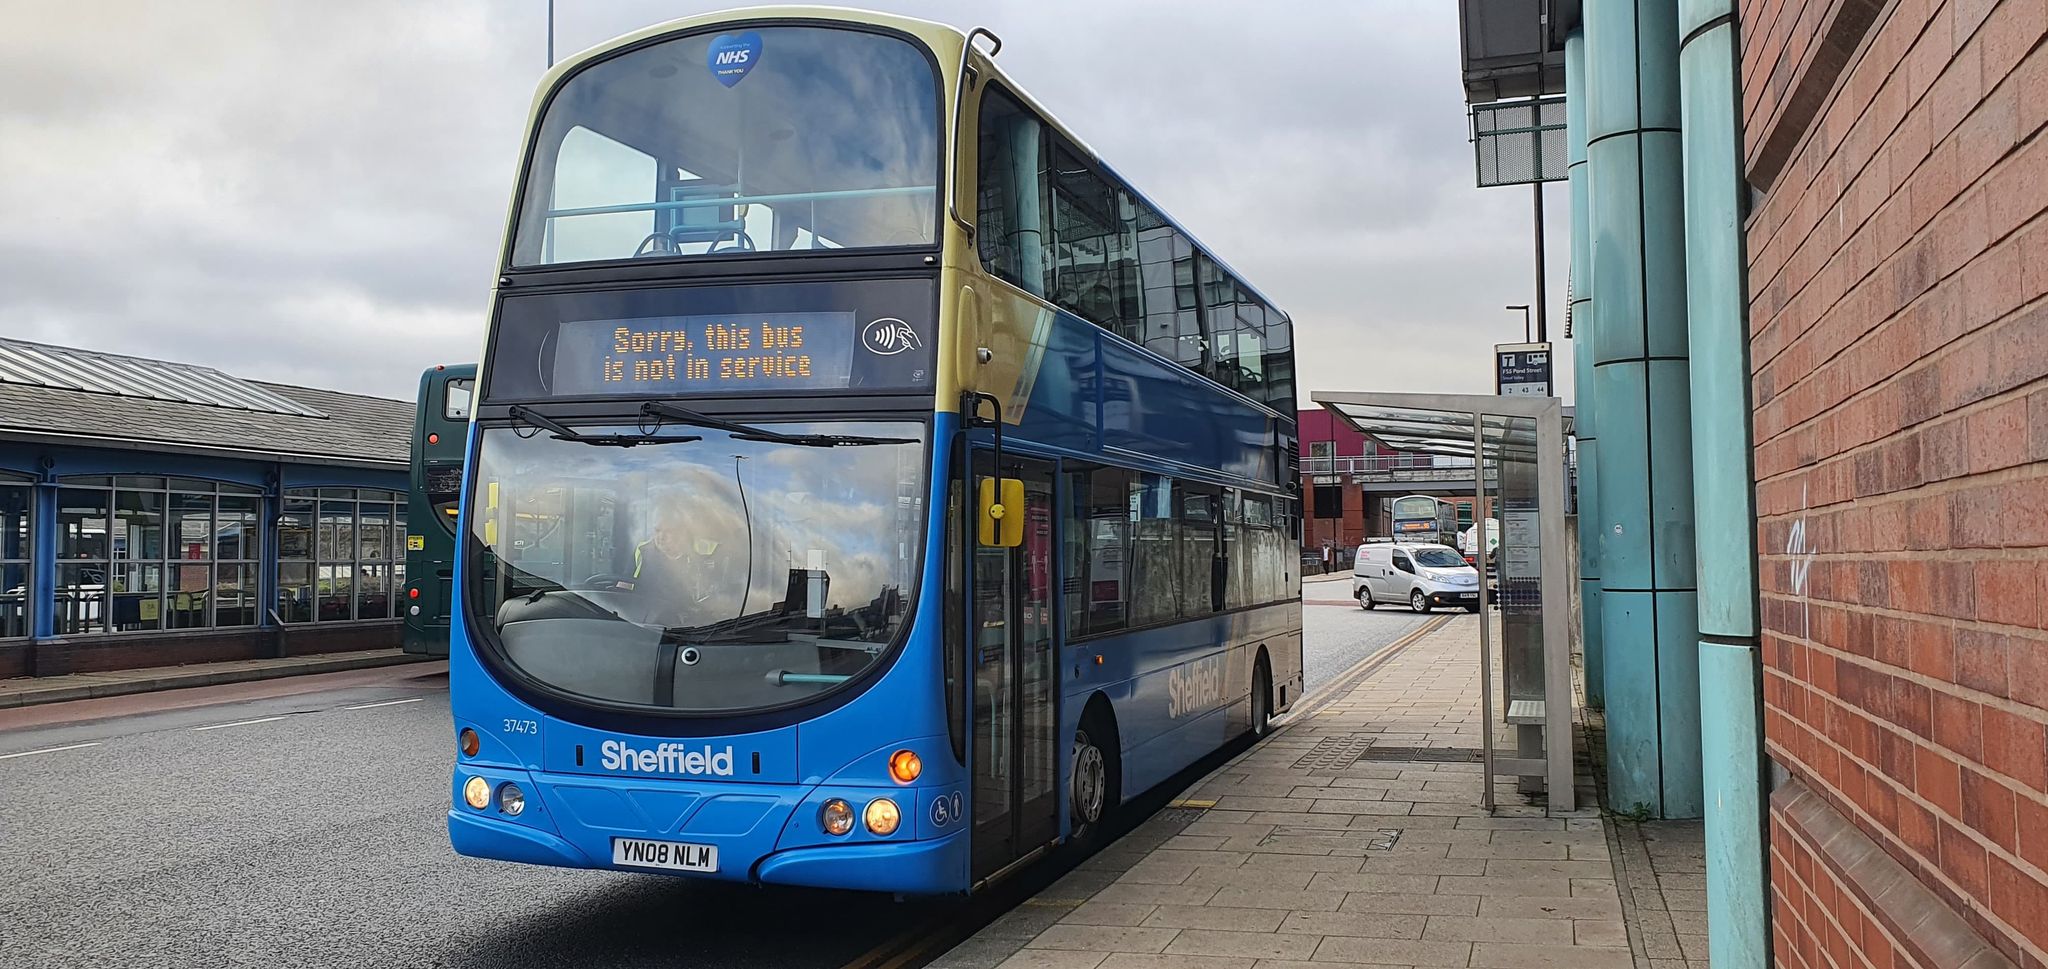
pixel 1522 369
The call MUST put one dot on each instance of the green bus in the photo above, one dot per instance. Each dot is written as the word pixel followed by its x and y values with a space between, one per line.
pixel 440 434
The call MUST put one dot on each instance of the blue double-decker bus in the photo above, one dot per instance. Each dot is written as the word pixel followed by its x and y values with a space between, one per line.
pixel 869 489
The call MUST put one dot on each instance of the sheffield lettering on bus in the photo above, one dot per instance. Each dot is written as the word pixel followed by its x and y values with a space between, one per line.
pixel 668 758
pixel 1195 687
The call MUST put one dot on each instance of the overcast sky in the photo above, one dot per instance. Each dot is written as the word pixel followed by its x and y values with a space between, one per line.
pixel 312 192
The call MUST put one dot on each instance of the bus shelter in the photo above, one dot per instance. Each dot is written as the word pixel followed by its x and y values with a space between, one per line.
pixel 1519 445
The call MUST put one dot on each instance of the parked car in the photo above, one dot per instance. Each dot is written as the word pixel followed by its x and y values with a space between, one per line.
pixel 1422 576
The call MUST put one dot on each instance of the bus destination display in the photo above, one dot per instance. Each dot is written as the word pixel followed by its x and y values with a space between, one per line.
pixel 706 354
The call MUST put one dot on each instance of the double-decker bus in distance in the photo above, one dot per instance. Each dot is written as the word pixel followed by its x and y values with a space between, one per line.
pixel 1421 518
pixel 869 488
pixel 440 433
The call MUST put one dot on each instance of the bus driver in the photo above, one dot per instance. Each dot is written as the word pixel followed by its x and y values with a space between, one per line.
pixel 685 571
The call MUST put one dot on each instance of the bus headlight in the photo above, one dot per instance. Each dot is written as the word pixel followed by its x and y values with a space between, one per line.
pixel 883 817
pixel 836 817
pixel 476 792
pixel 511 799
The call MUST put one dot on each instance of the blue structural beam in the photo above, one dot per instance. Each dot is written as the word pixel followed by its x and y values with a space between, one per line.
pixel 43 562
pixel 1585 421
pixel 1731 671
pixel 1641 381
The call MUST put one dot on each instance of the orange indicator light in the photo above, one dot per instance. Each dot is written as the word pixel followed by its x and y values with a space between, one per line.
pixel 905 765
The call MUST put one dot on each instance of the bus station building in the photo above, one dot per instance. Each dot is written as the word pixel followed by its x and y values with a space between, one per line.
pixel 156 513
pixel 1349 479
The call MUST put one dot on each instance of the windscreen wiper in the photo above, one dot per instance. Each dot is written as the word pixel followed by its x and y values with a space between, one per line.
pixel 563 432
pixel 748 432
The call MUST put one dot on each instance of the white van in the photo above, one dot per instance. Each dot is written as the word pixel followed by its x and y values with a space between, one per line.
pixel 1422 576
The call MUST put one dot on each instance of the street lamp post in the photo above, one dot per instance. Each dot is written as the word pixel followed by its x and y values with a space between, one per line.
pixel 1524 307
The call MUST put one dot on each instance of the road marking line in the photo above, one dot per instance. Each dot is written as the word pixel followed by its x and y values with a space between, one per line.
pixel 238 723
pixel 385 703
pixel 49 750
pixel 1312 705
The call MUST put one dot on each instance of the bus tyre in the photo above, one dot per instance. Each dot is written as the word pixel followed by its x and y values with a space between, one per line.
pixel 1365 599
pixel 1096 773
pixel 1262 700
pixel 1417 601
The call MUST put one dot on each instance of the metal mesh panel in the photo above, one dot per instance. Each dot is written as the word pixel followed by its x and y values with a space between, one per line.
pixel 1519 142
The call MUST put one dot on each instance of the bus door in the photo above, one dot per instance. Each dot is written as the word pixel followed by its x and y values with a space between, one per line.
pixel 1016 726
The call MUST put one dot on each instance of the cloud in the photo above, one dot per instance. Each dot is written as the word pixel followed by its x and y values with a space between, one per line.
pixel 315 192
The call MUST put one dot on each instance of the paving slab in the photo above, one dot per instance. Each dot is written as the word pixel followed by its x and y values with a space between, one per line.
pixel 1308 850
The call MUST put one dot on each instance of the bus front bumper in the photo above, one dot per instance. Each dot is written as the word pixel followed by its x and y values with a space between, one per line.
pixel 761 832
pixel 477 836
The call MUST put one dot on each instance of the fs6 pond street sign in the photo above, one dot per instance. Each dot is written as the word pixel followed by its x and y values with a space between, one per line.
pixel 1522 369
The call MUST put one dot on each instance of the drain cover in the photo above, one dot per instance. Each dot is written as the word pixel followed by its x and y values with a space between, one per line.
pixel 1434 755
pixel 1333 752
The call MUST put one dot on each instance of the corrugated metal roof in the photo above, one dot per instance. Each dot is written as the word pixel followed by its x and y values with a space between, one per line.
pixel 66 368
pixel 356 430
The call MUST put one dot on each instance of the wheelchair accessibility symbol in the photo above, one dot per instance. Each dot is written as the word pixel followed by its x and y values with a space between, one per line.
pixel 945 809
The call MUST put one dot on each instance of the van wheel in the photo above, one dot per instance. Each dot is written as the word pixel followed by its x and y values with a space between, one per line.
pixel 1365 599
pixel 1096 773
pixel 1417 601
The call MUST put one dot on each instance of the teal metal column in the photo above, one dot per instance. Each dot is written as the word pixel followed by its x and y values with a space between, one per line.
pixel 1731 671
pixel 1648 608
pixel 1584 426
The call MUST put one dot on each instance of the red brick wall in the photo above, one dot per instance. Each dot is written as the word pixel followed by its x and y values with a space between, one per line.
pixel 98 654
pixel 1898 269
pixel 1819 922
pixel 1794 49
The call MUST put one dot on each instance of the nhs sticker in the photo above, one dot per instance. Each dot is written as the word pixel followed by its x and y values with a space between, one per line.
pixel 733 55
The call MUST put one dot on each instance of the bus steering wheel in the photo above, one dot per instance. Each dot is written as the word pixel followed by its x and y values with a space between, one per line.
pixel 610 581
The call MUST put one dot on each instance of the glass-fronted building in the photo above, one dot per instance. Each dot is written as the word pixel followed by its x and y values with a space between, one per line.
pixel 156 513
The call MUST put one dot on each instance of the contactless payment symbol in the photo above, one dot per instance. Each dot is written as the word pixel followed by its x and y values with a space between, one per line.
pixel 733 55
pixel 889 336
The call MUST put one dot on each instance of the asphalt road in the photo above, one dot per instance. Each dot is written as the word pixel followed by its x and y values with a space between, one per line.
pixel 300 822
pixel 317 839
pixel 1336 634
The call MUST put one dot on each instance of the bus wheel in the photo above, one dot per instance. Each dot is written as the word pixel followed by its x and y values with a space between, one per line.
pixel 1417 601
pixel 1095 775
pixel 1262 700
pixel 1365 598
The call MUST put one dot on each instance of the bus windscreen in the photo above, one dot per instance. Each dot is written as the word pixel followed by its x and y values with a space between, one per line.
pixel 774 139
